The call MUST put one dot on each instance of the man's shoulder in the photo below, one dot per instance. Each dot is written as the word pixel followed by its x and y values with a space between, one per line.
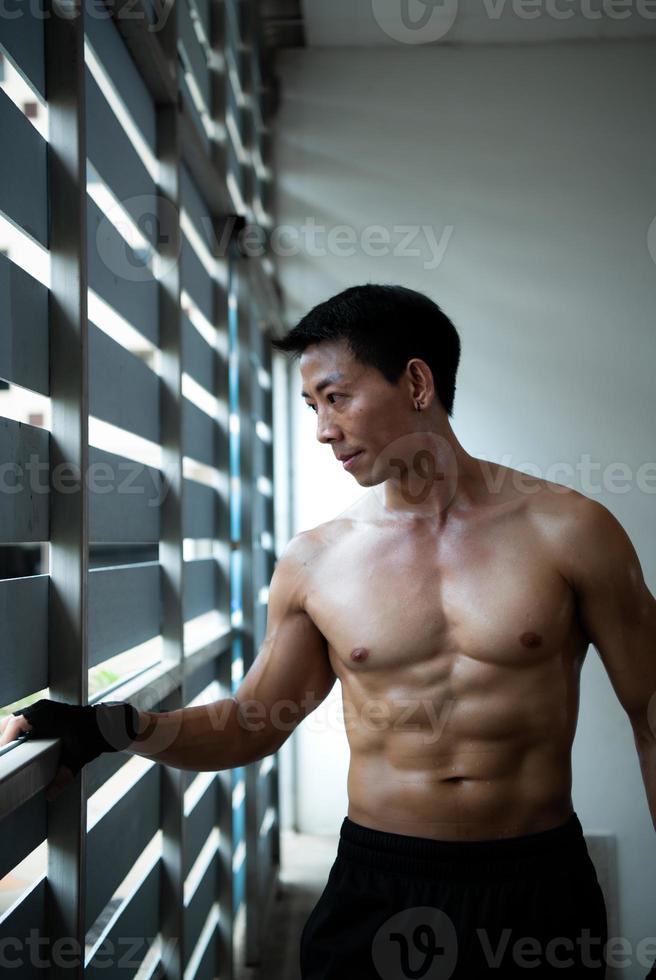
pixel 310 544
pixel 298 567
pixel 568 508
pixel 578 530
pixel 317 539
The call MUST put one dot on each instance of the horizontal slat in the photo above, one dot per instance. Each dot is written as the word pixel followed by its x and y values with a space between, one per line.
pixel 26 921
pixel 193 204
pixel 24 332
pixel 130 938
pixel 117 162
pixel 239 887
pixel 199 824
pixel 116 841
pixel 25 769
pixel 118 276
pixel 192 113
pixel 23 188
pixel 103 767
pixel 232 101
pixel 198 680
pixel 197 281
pixel 202 8
pixel 122 389
pixel 199 360
pixel 28 768
pixel 130 511
pixel 22 39
pixel 233 166
pixel 200 434
pixel 208 968
pixel 24 508
pixel 198 909
pixel 200 587
pixel 201 514
pixel 233 36
pixel 24 631
pixel 192 52
pixel 110 48
pixel 124 608
pixel 21 832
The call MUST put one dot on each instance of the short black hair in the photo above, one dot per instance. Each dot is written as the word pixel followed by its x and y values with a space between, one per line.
pixel 384 326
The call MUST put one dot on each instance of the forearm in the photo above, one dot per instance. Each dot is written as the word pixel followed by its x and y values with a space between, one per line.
pixel 204 738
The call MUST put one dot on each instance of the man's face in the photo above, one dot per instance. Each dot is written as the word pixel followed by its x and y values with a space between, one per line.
pixel 358 410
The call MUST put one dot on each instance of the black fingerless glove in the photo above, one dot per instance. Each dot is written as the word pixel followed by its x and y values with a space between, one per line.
pixel 85 730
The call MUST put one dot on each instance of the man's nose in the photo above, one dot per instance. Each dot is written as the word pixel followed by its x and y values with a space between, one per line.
pixel 327 430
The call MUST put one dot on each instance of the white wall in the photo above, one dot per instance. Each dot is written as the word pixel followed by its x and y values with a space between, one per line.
pixel 542 161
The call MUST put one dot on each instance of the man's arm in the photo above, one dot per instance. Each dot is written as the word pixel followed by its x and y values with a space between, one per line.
pixel 618 613
pixel 288 679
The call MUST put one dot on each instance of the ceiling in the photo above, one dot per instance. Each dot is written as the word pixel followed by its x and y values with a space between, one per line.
pixel 383 23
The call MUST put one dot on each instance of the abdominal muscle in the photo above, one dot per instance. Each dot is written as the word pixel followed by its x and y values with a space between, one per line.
pixel 457 786
pixel 462 808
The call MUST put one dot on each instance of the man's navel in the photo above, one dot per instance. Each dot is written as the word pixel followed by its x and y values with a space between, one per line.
pixel 359 655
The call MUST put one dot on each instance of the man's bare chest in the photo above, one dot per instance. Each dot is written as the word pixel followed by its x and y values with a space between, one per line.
pixel 389 601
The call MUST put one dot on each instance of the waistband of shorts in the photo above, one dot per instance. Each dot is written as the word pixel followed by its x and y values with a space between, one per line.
pixel 547 850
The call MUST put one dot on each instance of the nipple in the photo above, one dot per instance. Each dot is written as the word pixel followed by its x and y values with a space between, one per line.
pixel 359 654
pixel 531 640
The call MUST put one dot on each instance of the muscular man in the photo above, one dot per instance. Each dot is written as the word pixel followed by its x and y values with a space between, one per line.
pixel 455 601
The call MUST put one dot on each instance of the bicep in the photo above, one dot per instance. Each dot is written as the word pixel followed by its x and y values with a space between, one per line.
pixel 616 608
pixel 291 674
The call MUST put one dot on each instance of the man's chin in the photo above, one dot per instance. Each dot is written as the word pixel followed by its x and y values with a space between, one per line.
pixel 367 479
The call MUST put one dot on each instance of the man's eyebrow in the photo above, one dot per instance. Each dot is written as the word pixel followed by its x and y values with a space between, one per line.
pixel 330 379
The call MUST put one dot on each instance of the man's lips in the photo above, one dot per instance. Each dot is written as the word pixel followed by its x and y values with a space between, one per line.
pixel 349 461
pixel 345 456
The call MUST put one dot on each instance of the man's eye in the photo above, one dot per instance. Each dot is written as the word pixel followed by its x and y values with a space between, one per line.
pixel 331 395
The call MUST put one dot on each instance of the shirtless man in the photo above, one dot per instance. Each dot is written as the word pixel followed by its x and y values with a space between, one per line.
pixel 455 602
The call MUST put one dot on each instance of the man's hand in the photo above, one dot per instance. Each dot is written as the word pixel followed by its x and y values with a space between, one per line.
pixel 85 732
pixel 16 726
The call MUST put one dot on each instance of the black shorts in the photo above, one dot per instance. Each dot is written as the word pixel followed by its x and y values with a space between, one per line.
pixel 397 907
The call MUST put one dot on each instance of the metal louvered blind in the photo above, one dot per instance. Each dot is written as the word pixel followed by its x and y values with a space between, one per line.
pixel 146 481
